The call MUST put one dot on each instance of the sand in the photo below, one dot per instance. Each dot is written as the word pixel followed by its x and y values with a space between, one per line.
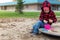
pixel 19 29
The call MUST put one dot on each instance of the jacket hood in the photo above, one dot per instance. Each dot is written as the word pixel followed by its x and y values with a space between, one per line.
pixel 46 4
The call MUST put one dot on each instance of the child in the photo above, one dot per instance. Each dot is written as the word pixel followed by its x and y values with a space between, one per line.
pixel 47 16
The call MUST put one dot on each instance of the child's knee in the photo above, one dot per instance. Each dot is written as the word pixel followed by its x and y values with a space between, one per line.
pixel 39 21
pixel 37 25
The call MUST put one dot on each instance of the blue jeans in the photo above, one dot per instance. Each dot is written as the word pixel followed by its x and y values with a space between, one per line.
pixel 38 25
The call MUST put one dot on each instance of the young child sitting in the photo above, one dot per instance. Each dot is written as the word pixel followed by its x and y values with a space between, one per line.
pixel 47 16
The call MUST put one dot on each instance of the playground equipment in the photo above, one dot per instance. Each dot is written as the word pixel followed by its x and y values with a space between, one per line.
pixel 51 33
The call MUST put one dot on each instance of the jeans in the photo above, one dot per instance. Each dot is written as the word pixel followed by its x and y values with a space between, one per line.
pixel 36 27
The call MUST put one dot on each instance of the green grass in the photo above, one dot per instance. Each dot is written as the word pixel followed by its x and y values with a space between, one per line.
pixel 7 14
pixel 57 13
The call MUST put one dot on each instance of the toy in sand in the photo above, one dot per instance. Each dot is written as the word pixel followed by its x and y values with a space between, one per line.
pixel 49 28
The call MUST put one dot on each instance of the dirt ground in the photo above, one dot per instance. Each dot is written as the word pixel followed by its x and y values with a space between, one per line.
pixel 19 29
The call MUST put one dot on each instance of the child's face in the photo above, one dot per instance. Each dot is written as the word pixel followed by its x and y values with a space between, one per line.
pixel 46 9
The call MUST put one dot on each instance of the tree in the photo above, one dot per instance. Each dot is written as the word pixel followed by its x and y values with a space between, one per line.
pixel 19 6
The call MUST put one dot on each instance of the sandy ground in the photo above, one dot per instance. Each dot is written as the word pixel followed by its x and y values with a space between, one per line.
pixel 19 29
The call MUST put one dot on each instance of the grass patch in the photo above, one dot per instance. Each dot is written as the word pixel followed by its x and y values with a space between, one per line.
pixel 7 14
pixel 57 13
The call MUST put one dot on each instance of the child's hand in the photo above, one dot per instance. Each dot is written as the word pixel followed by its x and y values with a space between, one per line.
pixel 51 21
pixel 45 21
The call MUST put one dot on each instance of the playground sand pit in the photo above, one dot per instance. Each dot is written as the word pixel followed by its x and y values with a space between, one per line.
pixel 19 29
